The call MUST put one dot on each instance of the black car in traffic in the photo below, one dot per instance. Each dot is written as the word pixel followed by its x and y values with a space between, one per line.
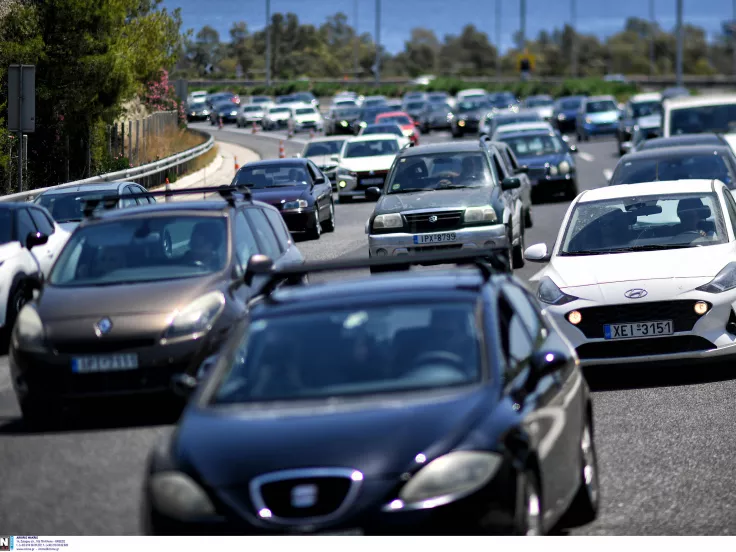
pixel 339 120
pixel 368 116
pixel 436 116
pixel 468 115
pixel 225 111
pixel 446 403
pixel 297 188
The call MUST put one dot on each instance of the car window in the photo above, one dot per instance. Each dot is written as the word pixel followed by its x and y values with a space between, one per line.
pixel 264 232
pixel 500 168
pixel 516 343
pixel 525 309
pixel 681 167
pixel 143 200
pixel 42 221
pixel 731 205
pixel 279 226
pixel 128 202
pixel 245 243
pixel 313 171
pixel 511 159
pixel 24 225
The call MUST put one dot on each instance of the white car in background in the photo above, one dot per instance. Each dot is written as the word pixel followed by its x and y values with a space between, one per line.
pixel 521 127
pixel 277 116
pixel 30 242
pixel 470 93
pixel 322 151
pixel 645 273
pixel 701 114
pixel 364 162
pixel 250 113
pixel 306 117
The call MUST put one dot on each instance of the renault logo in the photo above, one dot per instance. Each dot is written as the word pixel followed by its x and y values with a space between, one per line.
pixel 433 218
pixel 304 496
pixel 636 293
pixel 103 327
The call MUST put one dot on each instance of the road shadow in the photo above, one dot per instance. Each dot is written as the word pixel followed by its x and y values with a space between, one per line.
pixel 629 377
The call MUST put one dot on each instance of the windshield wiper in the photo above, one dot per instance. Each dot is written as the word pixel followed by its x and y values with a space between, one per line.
pixel 408 190
pixel 455 186
pixel 614 250
pixel 655 247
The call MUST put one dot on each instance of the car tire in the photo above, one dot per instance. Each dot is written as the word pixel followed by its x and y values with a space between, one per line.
pixel 529 513
pixel 344 199
pixel 329 226
pixel 518 253
pixel 528 222
pixel 17 298
pixel 316 231
pixel 585 505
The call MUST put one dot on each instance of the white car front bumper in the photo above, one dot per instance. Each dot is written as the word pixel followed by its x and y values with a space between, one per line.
pixel 695 337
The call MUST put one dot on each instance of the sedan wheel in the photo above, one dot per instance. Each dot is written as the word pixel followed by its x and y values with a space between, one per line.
pixel 330 224
pixel 529 517
pixel 584 507
pixel 316 231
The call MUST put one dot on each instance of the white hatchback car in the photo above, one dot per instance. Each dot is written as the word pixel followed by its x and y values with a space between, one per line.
pixel 645 273
pixel 364 162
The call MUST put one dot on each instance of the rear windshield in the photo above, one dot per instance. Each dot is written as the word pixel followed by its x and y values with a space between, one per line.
pixel 709 166
pixel 372 148
pixel 600 107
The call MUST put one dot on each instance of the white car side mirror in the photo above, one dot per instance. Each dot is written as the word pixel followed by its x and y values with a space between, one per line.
pixel 537 253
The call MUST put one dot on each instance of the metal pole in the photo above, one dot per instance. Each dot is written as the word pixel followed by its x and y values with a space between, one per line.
pixel 652 23
pixel 268 43
pixel 498 37
pixel 130 142
pixel 356 42
pixel 20 129
pixel 25 154
pixel 378 42
pixel 574 24
pixel 522 27
pixel 733 36
pixel 680 38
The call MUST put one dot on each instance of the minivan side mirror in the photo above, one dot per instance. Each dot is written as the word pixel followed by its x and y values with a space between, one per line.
pixel 373 193
pixel 537 253
pixel 523 169
pixel 510 183
pixel 258 265
pixel 35 238
pixel 335 158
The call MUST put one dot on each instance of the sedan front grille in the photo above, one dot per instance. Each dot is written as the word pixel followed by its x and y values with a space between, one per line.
pixel 644 347
pixel 537 173
pixel 443 220
pixel 681 312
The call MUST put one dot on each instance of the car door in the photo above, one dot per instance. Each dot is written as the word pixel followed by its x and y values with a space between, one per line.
pixel 245 245
pixel 292 255
pixel 512 196
pixel 46 253
pixel 525 192
pixel 321 191
pixel 40 260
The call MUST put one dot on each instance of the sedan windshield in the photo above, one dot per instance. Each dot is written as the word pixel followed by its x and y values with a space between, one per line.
pixel 644 109
pixel 569 105
pixel 539 102
pixel 252 108
pixel 399 119
pixel 142 250
pixel 682 167
pixel 709 118
pixel 348 113
pixel 332 147
pixel 372 148
pixel 279 110
pixel 440 171
pixel 385 349
pixel 306 111
pixel 644 224
pixel 272 176
pixel 383 129
pixel 600 107
pixel 69 207
pixel 535 144
pixel 416 106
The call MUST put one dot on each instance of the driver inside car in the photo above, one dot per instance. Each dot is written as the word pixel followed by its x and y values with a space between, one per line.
pixel 205 244
pixel 693 214
pixel 449 331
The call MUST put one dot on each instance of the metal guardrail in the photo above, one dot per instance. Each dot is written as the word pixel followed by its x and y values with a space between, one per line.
pixel 125 175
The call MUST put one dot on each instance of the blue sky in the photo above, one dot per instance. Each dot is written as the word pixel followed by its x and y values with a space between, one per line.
pixel 398 17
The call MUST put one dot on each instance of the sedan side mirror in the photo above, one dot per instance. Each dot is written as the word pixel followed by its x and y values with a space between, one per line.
pixel 373 193
pixel 522 170
pixel 319 180
pixel 545 363
pixel 183 385
pixel 510 183
pixel 537 253
pixel 258 265
pixel 335 158
pixel 35 238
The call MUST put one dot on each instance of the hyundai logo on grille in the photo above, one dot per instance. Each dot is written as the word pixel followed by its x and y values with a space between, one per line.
pixel 103 327
pixel 304 496
pixel 433 218
pixel 636 293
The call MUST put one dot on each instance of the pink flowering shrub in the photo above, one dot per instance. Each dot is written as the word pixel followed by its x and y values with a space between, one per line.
pixel 159 95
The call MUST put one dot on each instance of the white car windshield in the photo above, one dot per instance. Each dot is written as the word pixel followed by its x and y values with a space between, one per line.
pixel 332 147
pixel 252 108
pixel 306 111
pixel 535 144
pixel 440 171
pixel 372 148
pixel 379 349
pixel 708 118
pixel 279 110
pixel 644 224
pixel 69 207
pixel 600 106
pixel 680 167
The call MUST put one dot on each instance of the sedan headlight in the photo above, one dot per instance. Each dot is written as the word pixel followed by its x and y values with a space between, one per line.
pixel 480 214
pixel 724 281
pixel 29 331
pixel 296 204
pixel 346 172
pixel 388 221
pixel 205 112
pixel 343 123
pixel 551 294
pixel 564 167
pixel 589 120
pixel 197 318
pixel 553 170
pixel 561 117
pixel 450 477
pixel 178 496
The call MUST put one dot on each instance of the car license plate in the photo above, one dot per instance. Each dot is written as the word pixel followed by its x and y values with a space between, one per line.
pixel 435 238
pixel 372 180
pixel 104 363
pixel 638 329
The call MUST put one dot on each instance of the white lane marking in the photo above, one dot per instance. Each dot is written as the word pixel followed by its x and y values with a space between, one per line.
pixel 538 275
pixel 586 156
pixel 607 174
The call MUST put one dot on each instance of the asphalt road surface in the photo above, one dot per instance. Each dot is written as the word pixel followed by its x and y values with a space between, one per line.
pixel 664 437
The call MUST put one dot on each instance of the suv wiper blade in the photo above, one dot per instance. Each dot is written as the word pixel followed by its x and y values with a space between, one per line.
pixel 407 190
pixel 657 247
pixel 456 186
pixel 624 250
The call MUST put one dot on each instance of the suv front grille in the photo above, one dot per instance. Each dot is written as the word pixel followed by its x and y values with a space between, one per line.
pixel 445 220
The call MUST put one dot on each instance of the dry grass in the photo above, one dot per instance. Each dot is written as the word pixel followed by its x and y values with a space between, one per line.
pixel 198 164
pixel 169 143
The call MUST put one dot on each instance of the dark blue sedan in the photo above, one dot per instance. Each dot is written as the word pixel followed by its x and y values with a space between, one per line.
pixel 430 402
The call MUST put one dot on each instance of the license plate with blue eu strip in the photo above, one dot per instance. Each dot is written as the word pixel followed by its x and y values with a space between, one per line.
pixel 105 363
pixel 435 238
pixel 638 329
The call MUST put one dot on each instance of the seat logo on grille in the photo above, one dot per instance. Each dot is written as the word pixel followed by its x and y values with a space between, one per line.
pixel 433 218
pixel 103 327
pixel 304 496
pixel 636 293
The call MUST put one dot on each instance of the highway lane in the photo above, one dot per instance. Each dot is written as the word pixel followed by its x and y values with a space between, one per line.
pixel 665 448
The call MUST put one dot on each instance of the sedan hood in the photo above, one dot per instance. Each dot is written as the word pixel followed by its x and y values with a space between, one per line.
pixel 9 250
pixel 697 262
pixel 605 117
pixel 440 199
pixel 650 121
pixel 362 164
pixel 379 438
pixel 278 195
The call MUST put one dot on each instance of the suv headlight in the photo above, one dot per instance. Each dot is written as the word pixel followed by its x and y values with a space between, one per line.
pixel 551 294
pixel 197 318
pixel 450 477
pixel 382 222
pixel 176 495
pixel 724 281
pixel 564 167
pixel 29 331
pixel 296 204
pixel 480 214
pixel 346 172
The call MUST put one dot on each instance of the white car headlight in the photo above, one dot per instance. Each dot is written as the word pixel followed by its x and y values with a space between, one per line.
pixel 480 214
pixel 29 331
pixel 197 318
pixel 725 280
pixel 450 477
pixel 561 117
pixel 388 221
pixel 551 294
pixel 564 167
pixel 345 172
pixel 297 204
pixel 205 112
pixel 408 132
pixel 178 496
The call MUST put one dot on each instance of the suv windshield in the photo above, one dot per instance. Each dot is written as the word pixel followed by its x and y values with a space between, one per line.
pixel 384 349
pixel 69 207
pixel 137 250
pixel 331 147
pixel 535 144
pixel 643 109
pixel 383 129
pixel 306 111
pixel 644 224
pixel 682 167
pixel 372 148
pixel 600 106
pixel 440 171
pixel 272 176
pixel 708 118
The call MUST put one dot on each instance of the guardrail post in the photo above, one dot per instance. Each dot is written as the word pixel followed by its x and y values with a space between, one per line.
pixel 122 139
pixel 138 143
pixel 130 141
pixel 145 137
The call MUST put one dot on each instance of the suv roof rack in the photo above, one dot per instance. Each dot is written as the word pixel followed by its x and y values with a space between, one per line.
pixel 229 193
pixel 488 262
